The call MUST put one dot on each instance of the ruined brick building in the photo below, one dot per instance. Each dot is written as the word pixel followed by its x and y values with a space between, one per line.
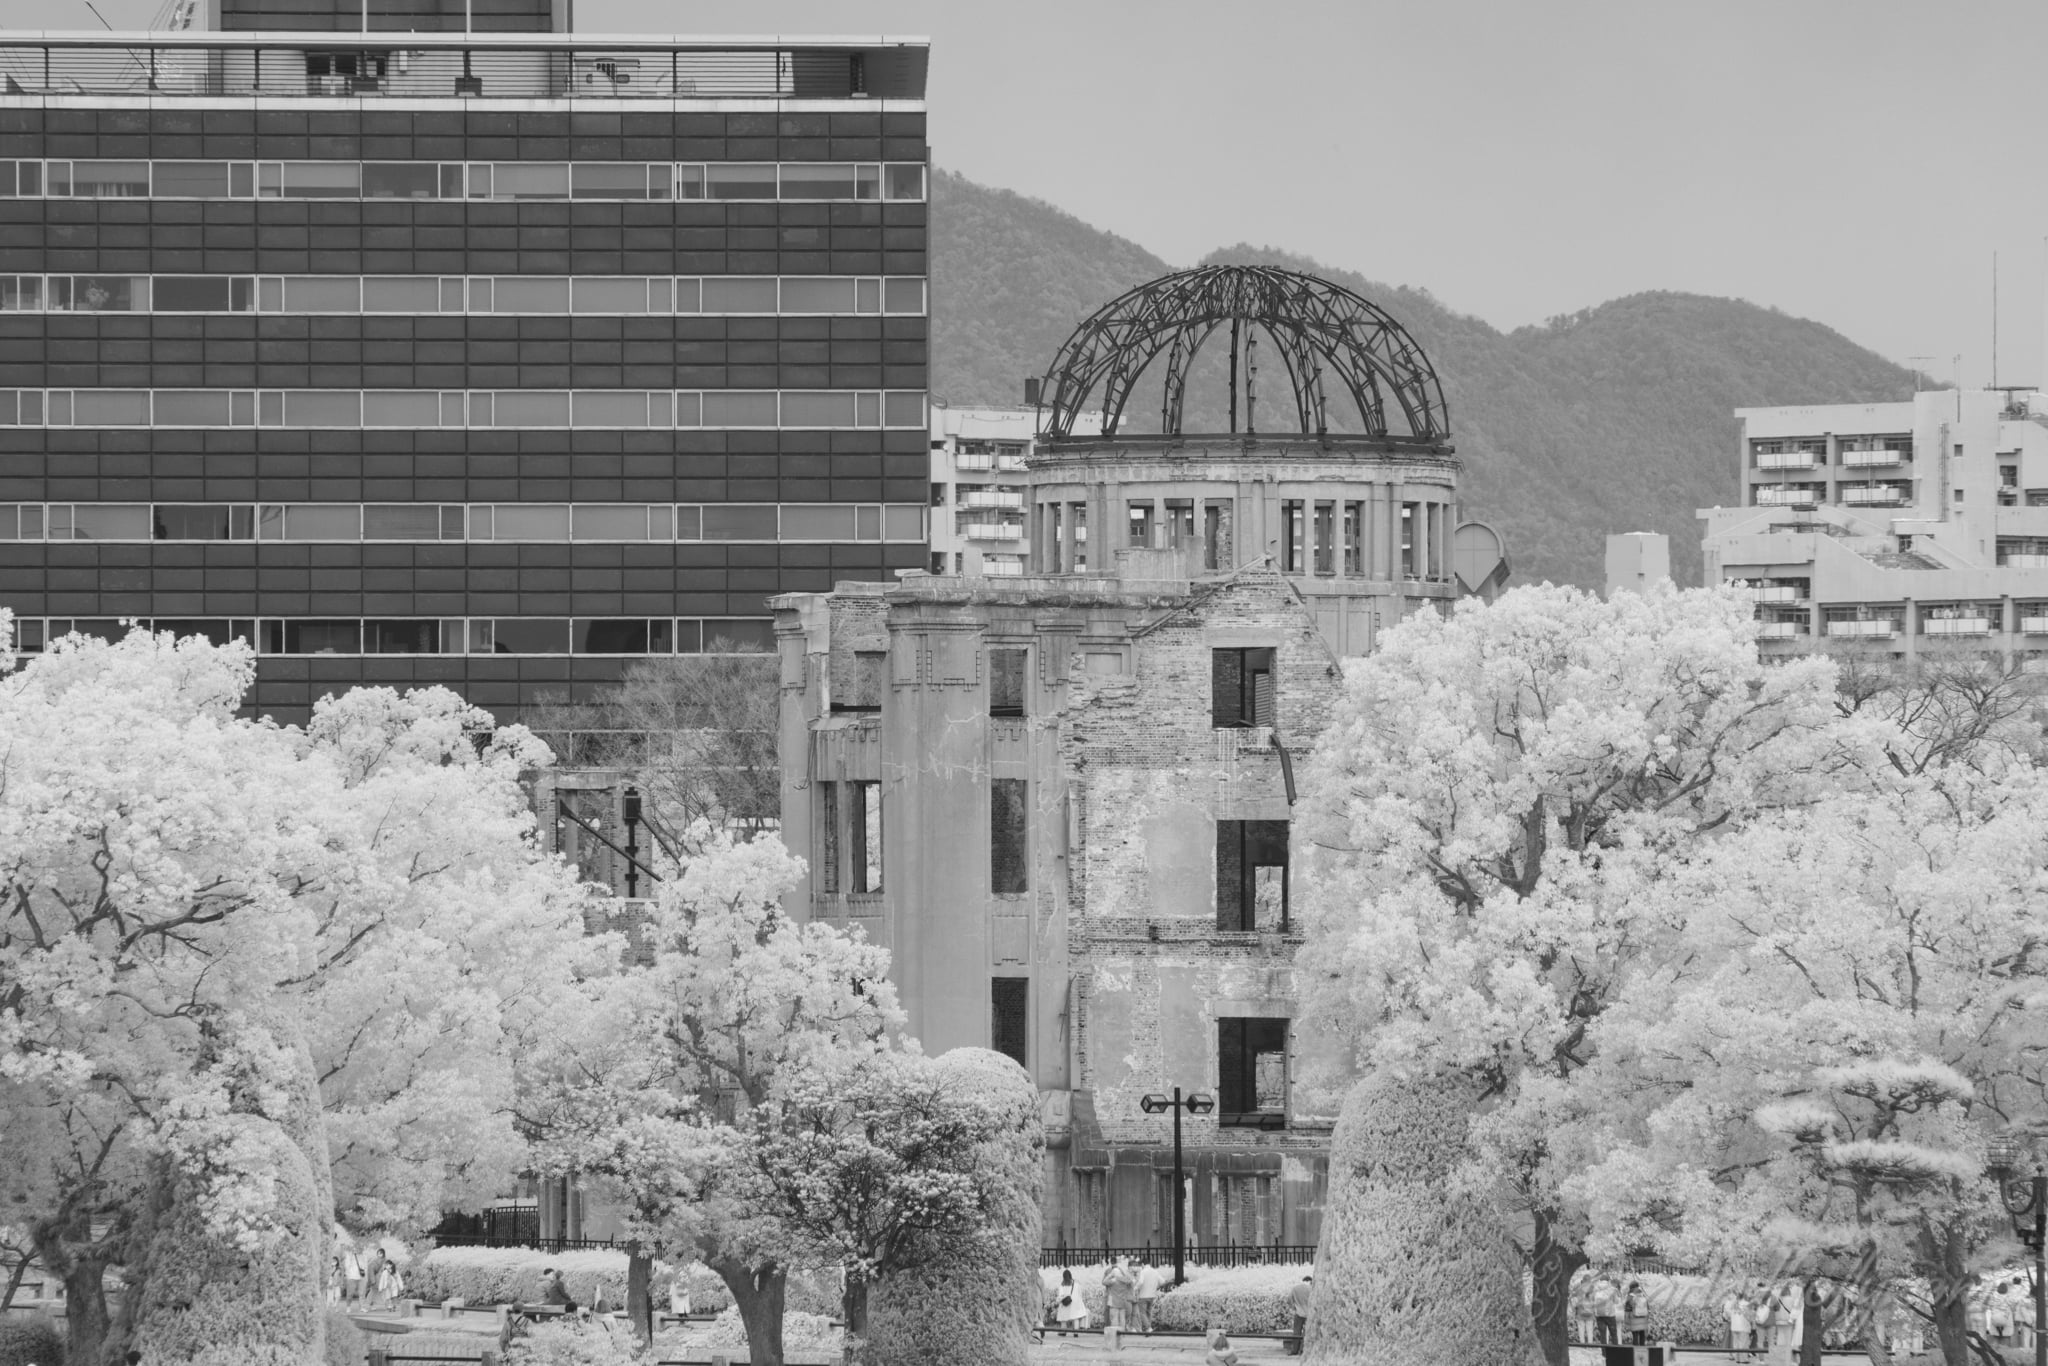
pixel 1063 799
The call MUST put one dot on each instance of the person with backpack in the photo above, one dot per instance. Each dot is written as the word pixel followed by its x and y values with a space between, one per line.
pixel 1635 1313
pixel 1069 1310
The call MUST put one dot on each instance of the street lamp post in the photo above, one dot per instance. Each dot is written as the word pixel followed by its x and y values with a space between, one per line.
pixel 630 809
pixel 1195 1104
pixel 2026 1200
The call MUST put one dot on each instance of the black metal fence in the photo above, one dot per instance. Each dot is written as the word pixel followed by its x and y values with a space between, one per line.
pixel 423 66
pixel 1246 1254
pixel 534 1242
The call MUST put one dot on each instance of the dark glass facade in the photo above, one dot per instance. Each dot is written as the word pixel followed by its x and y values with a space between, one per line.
pixel 245 583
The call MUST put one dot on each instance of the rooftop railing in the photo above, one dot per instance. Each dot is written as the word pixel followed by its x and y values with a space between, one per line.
pixel 416 66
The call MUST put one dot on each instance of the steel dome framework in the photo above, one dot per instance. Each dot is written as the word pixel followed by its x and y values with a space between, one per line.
pixel 1322 332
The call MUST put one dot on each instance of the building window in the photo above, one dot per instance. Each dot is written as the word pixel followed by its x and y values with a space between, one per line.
pixel 1009 829
pixel 1354 539
pixel 828 823
pixel 864 835
pixel 857 680
pixel 1251 875
pixel 1241 688
pixel 1326 538
pixel 1408 529
pixel 1009 1024
pixel 1141 526
pixel 1251 1072
pixel 1180 523
pixel 1293 537
pixel 1006 682
pixel 1216 552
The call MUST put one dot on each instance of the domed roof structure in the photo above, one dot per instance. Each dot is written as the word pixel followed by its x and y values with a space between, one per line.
pixel 1322 331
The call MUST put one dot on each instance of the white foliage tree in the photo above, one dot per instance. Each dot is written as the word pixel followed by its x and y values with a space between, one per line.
pixel 1498 792
pixel 206 922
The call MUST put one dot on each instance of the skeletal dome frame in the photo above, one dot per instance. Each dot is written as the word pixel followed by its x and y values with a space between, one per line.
pixel 1320 330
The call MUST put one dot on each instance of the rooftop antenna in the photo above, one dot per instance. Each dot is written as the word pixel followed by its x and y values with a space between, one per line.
pixel 97 15
pixel 1994 320
pixel 1919 371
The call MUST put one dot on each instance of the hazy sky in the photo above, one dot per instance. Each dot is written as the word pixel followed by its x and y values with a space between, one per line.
pixel 1852 161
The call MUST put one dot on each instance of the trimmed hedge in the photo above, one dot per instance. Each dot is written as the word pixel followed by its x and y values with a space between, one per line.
pixel 973 1301
pixel 346 1344
pixel 1412 1271
pixel 804 1333
pixel 503 1275
pixel 1238 1299
pixel 30 1341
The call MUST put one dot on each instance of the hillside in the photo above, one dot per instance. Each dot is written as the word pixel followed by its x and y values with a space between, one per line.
pixel 1617 419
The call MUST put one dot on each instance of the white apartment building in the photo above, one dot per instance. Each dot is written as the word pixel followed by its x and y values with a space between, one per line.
pixel 1905 528
pixel 977 498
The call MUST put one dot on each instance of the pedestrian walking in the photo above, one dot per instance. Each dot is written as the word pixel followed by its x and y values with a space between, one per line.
pixel 1297 1300
pixel 373 1267
pixel 679 1298
pixel 1070 1311
pixel 1998 1313
pixel 1583 1323
pixel 1145 1294
pixel 1635 1310
pixel 390 1284
pixel 351 1275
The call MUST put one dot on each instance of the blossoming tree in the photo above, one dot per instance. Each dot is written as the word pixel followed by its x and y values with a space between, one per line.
pixel 217 935
pixel 1864 1009
pixel 1497 791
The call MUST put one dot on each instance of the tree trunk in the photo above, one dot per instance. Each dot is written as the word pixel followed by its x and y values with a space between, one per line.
pixel 1812 1323
pixel 758 1294
pixel 86 1322
pixel 853 1307
pixel 639 1301
pixel 1551 1264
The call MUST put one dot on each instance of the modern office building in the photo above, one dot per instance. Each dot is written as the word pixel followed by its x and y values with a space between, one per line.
pixel 977 512
pixel 1911 530
pixel 424 341
pixel 1063 798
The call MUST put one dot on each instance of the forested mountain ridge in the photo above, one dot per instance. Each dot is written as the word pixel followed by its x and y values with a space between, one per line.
pixel 1617 418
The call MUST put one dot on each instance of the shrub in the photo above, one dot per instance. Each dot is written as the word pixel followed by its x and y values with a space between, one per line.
pixel 810 1334
pixel 1398 1230
pixel 443 1346
pixel 346 1344
pixel 973 1301
pixel 198 1298
pixel 572 1344
pixel 1237 1299
pixel 26 1341
pixel 501 1275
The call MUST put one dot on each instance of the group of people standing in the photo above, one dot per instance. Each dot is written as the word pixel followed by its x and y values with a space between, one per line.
pixel 2006 1313
pixel 1606 1313
pixel 1763 1323
pixel 1130 1287
pixel 374 1282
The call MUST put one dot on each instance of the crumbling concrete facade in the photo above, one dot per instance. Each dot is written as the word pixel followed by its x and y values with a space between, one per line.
pixel 1063 800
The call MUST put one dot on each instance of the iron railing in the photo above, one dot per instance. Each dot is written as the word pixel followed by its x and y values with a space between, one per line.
pixel 414 66
pixel 532 1241
pixel 1238 1254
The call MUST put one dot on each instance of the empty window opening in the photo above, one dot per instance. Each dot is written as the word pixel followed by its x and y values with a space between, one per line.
pixel 1180 523
pixel 1006 682
pixel 1251 1072
pixel 1241 688
pixel 1140 515
pixel 1326 538
pixel 1293 537
pixel 1354 539
pixel 1408 540
pixel 864 835
pixel 1009 829
pixel 828 823
pixel 1009 1022
pixel 1251 875
pixel 1216 551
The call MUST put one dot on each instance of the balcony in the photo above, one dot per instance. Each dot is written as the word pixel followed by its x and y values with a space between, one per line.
pixel 1787 460
pixel 1013 464
pixel 1956 626
pixel 1768 497
pixel 1781 630
pixel 2023 562
pixel 412 66
pixel 993 498
pixel 1873 497
pixel 1884 628
pixel 2034 626
pixel 1778 593
pixel 973 460
pixel 992 531
pixel 1865 459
